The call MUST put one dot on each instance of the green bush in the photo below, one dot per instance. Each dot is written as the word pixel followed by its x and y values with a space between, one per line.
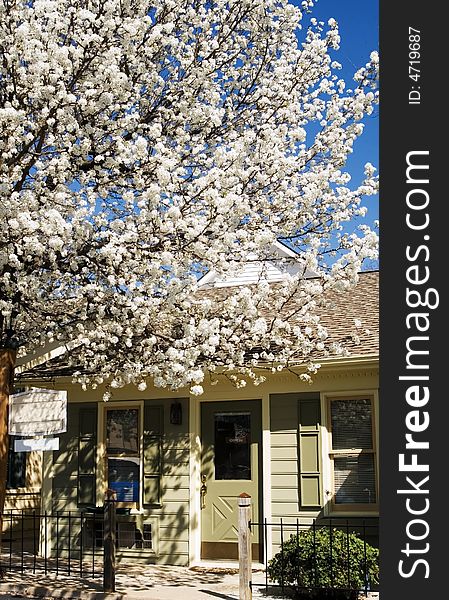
pixel 304 563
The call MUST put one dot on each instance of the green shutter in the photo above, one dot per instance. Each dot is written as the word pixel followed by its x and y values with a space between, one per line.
pixel 152 454
pixel 309 452
pixel 87 449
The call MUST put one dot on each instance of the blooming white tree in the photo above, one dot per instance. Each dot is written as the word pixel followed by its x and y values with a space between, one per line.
pixel 144 143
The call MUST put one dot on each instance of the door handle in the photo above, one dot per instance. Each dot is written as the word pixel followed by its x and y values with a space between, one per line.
pixel 203 491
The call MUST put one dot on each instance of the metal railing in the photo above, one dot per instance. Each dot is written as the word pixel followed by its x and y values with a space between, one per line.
pixel 325 558
pixel 64 542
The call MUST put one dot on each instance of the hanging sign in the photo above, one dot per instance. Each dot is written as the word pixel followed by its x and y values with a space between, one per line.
pixel 38 412
pixel 36 444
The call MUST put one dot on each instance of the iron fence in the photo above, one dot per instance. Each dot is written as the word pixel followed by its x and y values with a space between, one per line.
pixel 64 542
pixel 325 558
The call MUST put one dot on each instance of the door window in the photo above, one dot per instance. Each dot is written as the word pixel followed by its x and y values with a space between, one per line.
pixel 232 445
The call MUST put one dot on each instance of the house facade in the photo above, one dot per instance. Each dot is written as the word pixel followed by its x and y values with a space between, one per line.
pixel 24 480
pixel 177 463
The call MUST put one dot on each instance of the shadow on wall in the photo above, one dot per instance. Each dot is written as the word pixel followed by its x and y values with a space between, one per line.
pixel 29 496
pixel 160 533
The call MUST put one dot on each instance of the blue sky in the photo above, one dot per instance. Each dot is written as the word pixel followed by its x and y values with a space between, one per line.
pixel 358 22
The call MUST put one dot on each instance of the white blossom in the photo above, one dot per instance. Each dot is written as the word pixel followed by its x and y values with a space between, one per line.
pixel 196 390
pixel 145 143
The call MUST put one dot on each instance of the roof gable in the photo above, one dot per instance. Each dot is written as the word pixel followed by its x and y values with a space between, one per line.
pixel 281 263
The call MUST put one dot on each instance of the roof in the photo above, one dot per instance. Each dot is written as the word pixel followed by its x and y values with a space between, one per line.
pixel 359 303
pixel 351 318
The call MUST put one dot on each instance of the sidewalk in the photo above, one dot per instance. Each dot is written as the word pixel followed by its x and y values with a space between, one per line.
pixel 136 582
pixel 139 582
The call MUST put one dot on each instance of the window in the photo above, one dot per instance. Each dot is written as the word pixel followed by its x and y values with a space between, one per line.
pixel 131 534
pixel 123 453
pixel 232 446
pixel 132 439
pixel 353 453
pixel 16 469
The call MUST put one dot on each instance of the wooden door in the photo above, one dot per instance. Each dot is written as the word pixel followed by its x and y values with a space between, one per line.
pixel 230 464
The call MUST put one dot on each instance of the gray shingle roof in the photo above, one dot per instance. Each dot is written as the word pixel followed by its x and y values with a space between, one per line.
pixel 338 316
pixel 361 302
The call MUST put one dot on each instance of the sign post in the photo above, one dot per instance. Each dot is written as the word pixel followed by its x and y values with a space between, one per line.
pixel 244 537
pixel 109 542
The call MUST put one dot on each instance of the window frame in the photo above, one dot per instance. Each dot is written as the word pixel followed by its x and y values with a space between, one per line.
pixel 332 453
pixel 103 476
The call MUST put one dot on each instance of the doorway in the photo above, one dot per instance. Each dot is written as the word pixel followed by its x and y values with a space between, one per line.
pixel 231 461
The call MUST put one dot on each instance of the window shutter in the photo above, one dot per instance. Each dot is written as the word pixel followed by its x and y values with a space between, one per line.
pixel 16 469
pixel 152 453
pixel 87 448
pixel 309 452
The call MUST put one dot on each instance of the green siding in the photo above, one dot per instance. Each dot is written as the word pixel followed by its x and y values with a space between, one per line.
pixel 166 474
pixel 166 480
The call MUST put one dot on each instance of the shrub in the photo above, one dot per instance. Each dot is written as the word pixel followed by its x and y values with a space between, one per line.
pixel 314 565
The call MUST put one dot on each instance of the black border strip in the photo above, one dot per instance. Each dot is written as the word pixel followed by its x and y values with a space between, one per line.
pixel 412 122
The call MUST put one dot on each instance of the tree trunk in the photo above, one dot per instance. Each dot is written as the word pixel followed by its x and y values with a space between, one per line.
pixel 7 362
